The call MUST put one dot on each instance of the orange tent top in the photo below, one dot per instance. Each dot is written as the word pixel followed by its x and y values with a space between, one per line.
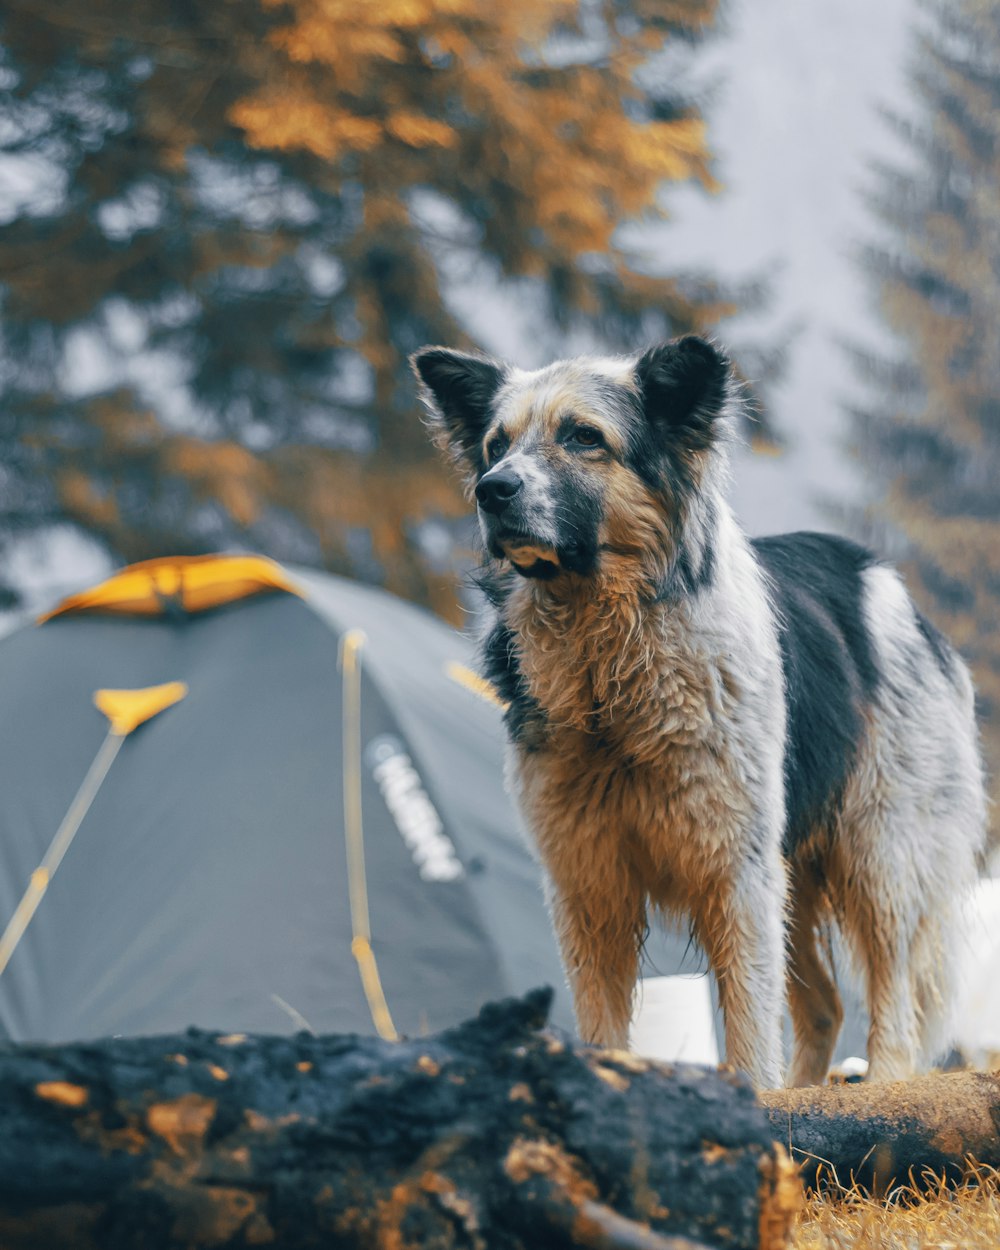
pixel 188 583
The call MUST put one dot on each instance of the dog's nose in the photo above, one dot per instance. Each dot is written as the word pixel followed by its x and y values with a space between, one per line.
pixel 497 489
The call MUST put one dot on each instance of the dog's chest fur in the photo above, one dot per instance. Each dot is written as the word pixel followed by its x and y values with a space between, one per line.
pixel 639 736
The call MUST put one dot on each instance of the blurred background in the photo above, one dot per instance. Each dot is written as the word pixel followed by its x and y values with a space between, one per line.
pixel 223 228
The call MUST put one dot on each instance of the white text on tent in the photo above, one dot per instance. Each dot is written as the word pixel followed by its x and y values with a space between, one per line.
pixel 411 808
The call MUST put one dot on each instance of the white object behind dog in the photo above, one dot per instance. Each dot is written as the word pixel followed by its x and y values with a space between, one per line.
pixel 673 1020
pixel 977 1018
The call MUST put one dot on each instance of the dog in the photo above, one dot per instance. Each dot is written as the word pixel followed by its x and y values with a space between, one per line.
pixel 760 736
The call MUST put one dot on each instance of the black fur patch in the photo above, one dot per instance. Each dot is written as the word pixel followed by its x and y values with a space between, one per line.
pixel 524 718
pixel 579 511
pixel 684 386
pixel 540 571
pixel 829 663
pixel 462 388
pixel 683 389
pixel 691 572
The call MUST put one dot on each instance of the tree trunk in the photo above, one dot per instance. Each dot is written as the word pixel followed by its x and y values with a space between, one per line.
pixel 494 1134
pixel 880 1134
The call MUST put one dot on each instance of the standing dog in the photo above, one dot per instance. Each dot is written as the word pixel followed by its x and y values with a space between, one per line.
pixel 757 735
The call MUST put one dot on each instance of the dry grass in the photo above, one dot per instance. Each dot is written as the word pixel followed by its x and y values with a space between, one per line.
pixel 967 1218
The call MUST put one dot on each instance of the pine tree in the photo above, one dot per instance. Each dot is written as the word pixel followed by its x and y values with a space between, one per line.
pixel 242 216
pixel 930 432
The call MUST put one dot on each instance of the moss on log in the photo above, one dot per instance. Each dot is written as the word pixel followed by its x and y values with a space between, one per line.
pixel 495 1134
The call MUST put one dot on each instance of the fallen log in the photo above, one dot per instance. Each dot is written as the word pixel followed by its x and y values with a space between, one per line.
pixel 901 1132
pixel 493 1134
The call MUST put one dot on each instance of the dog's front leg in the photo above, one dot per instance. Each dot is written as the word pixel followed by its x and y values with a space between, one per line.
pixel 600 929
pixel 743 932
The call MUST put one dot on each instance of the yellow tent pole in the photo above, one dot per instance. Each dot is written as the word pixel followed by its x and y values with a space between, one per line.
pixel 357 883
pixel 125 710
pixel 58 847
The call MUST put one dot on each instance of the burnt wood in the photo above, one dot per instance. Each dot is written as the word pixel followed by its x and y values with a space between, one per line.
pixel 498 1134
pixel 884 1134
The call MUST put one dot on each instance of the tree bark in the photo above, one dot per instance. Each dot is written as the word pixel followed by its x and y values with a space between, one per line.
pixel 900 1132
pixel 495 1134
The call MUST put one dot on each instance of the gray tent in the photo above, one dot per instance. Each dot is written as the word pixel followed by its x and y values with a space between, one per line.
pixel 207 882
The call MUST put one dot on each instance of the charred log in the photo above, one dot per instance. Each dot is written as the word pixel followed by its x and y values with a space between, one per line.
pixel 495 1134
pixel 900 1132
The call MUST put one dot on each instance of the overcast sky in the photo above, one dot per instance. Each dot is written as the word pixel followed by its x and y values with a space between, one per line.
pixel 795 126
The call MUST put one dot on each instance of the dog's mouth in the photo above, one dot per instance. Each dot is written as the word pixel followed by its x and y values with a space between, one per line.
pixel 528 554
pixel 525 553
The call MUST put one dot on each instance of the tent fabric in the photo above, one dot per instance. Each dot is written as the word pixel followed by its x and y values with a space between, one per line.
pixel 207 884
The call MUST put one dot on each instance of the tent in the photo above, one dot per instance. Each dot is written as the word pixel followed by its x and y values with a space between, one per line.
pixel 298 820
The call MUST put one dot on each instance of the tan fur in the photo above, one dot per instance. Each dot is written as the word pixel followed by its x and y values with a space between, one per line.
pixel 634 796
pixel 535 411
pixel 813 998
pixel 526 554
pixel 636 531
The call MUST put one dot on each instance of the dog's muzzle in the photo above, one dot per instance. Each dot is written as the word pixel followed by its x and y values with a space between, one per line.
pixel 497 494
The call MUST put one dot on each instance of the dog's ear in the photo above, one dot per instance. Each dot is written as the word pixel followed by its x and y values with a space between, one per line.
pixel 685 385
pixel 457 390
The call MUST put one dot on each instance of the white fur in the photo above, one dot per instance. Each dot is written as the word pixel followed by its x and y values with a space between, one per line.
pixel 912 830
pixel 735 621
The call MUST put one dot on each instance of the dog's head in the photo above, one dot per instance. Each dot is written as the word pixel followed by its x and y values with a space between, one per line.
pixel 583 462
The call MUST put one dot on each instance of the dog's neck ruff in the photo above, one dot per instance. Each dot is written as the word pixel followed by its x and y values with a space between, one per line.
pixel 604 658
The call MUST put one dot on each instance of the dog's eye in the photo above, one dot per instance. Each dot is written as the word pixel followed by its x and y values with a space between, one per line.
pixel 587 436
pixel 497 445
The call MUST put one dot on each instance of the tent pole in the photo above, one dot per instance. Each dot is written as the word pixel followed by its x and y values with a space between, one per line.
pixel 126 710
pixel 361 937
pixel 59 845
